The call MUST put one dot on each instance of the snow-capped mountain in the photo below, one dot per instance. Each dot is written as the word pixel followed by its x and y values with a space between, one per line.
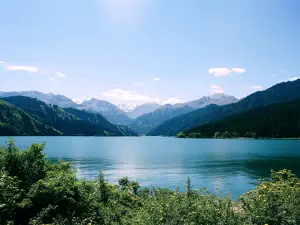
pixel 143 109
pixel 128 107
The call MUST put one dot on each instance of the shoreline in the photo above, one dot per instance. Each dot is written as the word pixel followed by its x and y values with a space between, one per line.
pixel 241 138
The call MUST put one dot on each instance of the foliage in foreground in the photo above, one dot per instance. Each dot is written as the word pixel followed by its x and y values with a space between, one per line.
pixel 36 191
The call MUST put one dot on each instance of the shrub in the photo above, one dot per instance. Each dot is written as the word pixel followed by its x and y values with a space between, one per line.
pixel 276 201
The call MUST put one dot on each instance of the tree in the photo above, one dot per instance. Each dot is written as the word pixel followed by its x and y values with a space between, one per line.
pixel 180 135
pixel 103 189
pixel 217 135
pixel 9 197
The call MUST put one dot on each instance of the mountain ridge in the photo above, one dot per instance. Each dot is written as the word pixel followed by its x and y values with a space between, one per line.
pixel 66 122
pixel 143 109
pixel 49 98
pixel 149 121
pixel 127 107
pixel 110 111
pixel 15 122
pixel 278 120
pixel 282 92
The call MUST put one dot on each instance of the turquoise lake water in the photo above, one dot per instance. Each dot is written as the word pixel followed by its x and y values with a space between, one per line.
pixel 228 165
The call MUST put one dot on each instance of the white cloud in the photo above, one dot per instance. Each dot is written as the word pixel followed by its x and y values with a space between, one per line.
pixel 220 72
pixel 238 70
pixel 81 99
pixel 223 72
pixel 257 87
pixel 60 74
pixel 216 89
pixel 32 69
pixel 127 95
pixel 139 84
pixel 156 79
pixel 172 101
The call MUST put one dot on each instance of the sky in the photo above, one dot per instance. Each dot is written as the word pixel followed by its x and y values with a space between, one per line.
pixel 137 51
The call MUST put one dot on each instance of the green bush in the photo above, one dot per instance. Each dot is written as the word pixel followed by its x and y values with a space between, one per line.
pixel 276 201
pixel 180 135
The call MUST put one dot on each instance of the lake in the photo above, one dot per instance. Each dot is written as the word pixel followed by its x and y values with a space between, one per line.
pixel 228 165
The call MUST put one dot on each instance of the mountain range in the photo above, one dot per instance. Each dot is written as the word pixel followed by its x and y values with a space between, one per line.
pixel 283 92
pixel 110 111
pixel 147 122
pixel 128 107
pixel 143 109
pixel 142 118
pixel 50 98
pixel 21 115
pixel 57 114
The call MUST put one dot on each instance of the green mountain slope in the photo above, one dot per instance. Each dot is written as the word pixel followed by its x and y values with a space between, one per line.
pixel 280 120
pixel 108 110
pixel 14 122
pixel 282 92
pixel 66 122
pixel 98 119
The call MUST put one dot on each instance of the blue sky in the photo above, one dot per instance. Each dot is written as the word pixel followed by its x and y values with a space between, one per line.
pixel 135 51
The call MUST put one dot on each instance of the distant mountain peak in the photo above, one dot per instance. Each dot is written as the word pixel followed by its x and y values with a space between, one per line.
pixel 278 93
pixel 128 107
pixel 217 98
pixel 138 110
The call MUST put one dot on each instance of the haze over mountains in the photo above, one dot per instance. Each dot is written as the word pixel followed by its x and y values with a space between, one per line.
pixel 282 92
pixel 128 107
pixel 107 109
pixel 21 115
pixel 143 109
pixel 149 119
pixel 141 118
pixel 147 122
pixel 50 98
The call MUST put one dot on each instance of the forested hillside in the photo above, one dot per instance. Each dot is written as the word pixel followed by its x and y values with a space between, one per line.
pixel 281 120
pixel 79 123
pixel 96 118
pixel 14 122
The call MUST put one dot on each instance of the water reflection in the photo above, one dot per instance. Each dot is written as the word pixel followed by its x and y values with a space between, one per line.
pixel 230 165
